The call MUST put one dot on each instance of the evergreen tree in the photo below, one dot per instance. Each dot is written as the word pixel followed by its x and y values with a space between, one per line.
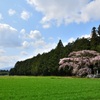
pixel 94 38
pixel 99 30
pixel 94 34
pixel 60 44
pixel 81 44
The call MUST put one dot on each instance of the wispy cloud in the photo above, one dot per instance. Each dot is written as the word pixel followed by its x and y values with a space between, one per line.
pixel 24 53
pixel 2 51
pixel 1 17
pixel 11 12
pixel 25 15
pixel 25 44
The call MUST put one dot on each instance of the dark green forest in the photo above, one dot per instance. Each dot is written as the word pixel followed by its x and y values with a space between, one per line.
pixel 47 64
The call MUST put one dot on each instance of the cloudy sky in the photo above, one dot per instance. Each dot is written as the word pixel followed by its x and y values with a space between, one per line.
pixel 29 27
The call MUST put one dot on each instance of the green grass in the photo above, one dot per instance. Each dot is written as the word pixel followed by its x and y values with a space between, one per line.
pixel 48 88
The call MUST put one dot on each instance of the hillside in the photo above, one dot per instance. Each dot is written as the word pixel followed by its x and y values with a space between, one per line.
pixel 48 63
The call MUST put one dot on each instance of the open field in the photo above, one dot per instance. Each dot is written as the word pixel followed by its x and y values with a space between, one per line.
pixel 48 88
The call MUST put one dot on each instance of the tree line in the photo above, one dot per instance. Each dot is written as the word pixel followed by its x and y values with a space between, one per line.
pixel 47 64
pixel 4 72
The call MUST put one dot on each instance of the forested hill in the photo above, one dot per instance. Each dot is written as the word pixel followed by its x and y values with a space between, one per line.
pixel 47 63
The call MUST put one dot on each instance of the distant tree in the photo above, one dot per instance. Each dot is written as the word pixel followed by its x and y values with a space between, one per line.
pixel 12 71
pixel 98 40
pixel 81 44
pixel 94 39
pixel 99 30
pixel 4 72
pixel 94 33
pixel 60 44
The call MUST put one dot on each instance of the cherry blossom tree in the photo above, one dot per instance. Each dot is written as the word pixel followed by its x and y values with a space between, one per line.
pixel 81 62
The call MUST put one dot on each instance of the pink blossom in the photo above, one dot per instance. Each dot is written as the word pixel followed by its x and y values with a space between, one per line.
pixel 80 59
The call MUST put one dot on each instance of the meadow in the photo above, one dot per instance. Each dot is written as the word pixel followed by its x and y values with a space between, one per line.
pixel 48 88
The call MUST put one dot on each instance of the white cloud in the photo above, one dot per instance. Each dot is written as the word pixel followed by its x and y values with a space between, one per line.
pixel 25 44
pixel 2 51
pixel 24 53
pixel 45 48
pixel 23 34
pixel 35 35
pixel 51 38
pixel 9 36
pixel 46 25
pixel 8 61
pixel 1 17
pixel 38 43
pixel 25 15
pixel 23 31
pixel 36 40
pixel 91 11
pixel 66 11
pixel 32 39
pixel 85 36
pixel 71 39
pixel 11 12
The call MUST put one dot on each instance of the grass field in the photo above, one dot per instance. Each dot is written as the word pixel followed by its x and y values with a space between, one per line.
pixel 48 88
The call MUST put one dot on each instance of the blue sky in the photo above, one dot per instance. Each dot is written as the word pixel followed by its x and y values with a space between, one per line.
pixel 29 27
